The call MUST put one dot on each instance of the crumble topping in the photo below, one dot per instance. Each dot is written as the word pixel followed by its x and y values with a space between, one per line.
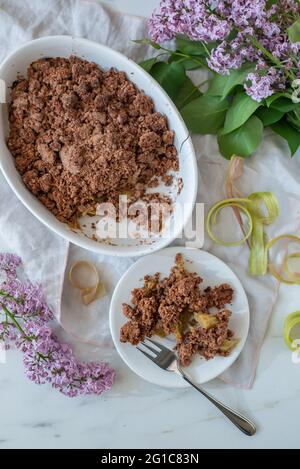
pixel 81 135
pixel 177 305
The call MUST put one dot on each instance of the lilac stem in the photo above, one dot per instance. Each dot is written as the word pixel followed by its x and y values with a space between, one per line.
pixel 15 322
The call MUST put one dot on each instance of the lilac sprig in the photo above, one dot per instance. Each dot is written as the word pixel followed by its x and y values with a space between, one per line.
pixel 254 31
pixel 24 324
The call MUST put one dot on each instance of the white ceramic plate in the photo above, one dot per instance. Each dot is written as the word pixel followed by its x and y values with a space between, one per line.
pixel 214 271
pixel 64 46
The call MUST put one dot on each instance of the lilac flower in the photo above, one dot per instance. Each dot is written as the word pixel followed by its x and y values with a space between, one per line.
pixel 98 378
pixel 25 316
pixel 245 31
pixel 9 263
pixel 30 299
pixel 259 86
pixel 47 360
pixel 244 13
pixel 8 334
pixel 221 60
pixel 194 18
pixel 159 29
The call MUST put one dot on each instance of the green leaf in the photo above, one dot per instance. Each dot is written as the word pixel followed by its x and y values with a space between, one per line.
pixel 294 31
pixel 217 85
pixel 148 64
pixel 170 76
pixel 269 116
pixel 147 42
pixel 291 135
pixel 173 79
pixel 195 52
pixel 297 111
pixel 294 118
pixel 191 63
pixel 241 109
pixel 187 93
pixel 205 115
pixel 243 141
pixel 274 97
pixel 223 85
pixel 190 47
pixel 284 105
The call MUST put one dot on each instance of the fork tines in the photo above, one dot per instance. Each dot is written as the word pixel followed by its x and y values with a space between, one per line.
pixel 159 354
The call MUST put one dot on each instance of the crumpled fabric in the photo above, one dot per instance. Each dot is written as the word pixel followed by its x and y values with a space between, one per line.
pixel 48 257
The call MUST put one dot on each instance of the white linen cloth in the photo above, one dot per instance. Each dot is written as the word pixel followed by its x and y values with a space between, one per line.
pixel 46 255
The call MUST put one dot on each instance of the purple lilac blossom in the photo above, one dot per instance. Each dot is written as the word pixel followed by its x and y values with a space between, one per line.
pixel 193 18
pixel 45 358
pixel 9 263
pixel 30 298
pixel 222 60
pixel 255 26
pixel 259 87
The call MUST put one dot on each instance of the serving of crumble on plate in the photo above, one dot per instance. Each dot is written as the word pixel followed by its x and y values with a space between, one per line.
pixel 197 306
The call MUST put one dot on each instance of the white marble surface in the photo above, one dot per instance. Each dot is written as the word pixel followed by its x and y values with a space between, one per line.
pixel 136 414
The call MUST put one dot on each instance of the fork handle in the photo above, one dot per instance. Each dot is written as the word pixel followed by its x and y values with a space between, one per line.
pixel 244 424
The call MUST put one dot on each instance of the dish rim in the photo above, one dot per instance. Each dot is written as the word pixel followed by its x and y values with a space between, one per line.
pixel 58 227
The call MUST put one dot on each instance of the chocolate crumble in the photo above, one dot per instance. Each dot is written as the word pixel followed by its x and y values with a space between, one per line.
pixel 81 135
pixel 177 305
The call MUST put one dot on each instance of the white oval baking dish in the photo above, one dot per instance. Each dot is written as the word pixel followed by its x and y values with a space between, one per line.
pixel 64 46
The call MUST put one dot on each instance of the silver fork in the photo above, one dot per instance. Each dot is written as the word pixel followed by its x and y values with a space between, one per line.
pixel 167 360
